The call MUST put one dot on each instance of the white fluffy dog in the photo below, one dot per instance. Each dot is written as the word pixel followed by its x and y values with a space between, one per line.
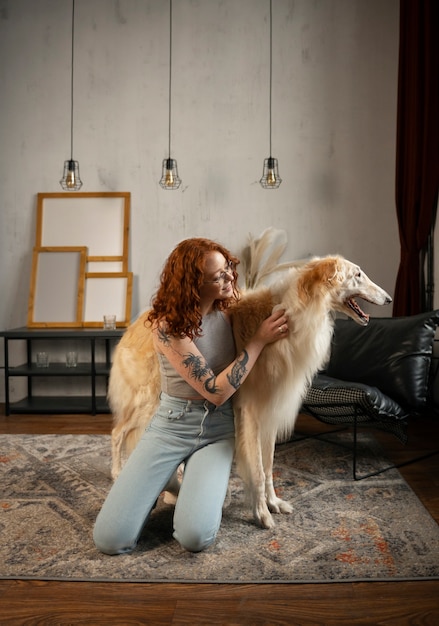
pixel 267 403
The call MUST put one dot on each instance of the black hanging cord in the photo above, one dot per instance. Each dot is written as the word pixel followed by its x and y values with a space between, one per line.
pixel 71 84
pixel 170 75
pixel 271 65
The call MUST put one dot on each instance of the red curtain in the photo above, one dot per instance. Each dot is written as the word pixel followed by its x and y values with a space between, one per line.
pixel 417 145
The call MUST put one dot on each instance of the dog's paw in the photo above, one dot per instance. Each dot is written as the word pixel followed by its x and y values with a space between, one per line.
pixel 285 507
pixel 263 517
pixel 279 506
pixel 114 473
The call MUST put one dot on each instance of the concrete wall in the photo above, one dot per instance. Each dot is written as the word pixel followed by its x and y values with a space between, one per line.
pixel 334 122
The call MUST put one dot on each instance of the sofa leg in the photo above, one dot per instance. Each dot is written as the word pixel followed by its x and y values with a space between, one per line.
pixel 385 469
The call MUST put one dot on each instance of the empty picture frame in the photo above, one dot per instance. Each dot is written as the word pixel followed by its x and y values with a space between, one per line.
pixel 107 294
pixel 57 287
pixel 98 221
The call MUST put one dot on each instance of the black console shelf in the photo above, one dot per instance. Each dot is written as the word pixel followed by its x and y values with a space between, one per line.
pixel 91 370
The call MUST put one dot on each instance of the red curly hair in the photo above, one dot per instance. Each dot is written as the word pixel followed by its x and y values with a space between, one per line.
pixel 177 300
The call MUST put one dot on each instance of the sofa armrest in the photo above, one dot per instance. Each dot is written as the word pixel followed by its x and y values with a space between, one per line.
pixel 392 354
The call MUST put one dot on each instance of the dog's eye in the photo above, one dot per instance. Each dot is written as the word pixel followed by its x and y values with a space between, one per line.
pixel 358 274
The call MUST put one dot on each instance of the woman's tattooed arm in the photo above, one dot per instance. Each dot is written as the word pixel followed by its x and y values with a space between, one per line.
pixel 196 365
pixel 199 369
pixel 238 370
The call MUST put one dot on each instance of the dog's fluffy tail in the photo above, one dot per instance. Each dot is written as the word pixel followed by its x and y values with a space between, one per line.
pixel 133 389
pixel 260 258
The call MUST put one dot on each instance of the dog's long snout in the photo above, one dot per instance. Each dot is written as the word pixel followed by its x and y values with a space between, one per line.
pixel 383 297
pixel 387 299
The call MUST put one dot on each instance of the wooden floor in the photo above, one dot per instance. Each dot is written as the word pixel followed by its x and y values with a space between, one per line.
pixel 33 603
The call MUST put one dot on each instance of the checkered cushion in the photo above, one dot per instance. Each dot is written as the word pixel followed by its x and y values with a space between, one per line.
pixel 335 401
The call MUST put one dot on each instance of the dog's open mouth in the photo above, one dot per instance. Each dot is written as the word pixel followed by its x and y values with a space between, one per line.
pixel 363 317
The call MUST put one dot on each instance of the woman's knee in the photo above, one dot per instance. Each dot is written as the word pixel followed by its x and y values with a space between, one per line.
pixel 194 541
pixel 111 543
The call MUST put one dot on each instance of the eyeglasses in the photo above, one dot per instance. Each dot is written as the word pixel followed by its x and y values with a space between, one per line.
pixel 224 275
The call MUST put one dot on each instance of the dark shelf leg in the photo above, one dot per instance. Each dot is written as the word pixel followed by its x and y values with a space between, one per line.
pixel 29 363
pixel 7 401
pixel 93 376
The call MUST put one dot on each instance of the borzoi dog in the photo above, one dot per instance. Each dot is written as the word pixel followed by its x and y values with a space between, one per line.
pixel 267 404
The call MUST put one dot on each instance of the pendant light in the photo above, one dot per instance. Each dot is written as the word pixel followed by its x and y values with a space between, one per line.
pixel 170 179
pixel 270 176
pixel 71 180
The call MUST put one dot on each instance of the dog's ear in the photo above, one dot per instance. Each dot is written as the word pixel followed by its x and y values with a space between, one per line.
pixel 319 276
pixel 331 270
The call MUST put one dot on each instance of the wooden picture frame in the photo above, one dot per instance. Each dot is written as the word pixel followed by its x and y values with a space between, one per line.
pixel 98 221
pixel 57 287
pixel 107 294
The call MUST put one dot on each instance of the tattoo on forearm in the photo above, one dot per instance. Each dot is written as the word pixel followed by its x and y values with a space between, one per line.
pixel 199 369
pixel 209 385
pixel 197 366
pixel 239 370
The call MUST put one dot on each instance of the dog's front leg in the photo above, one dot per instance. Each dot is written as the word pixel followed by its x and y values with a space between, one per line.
pixel 261 511
pixel 275 504
pixel 250 466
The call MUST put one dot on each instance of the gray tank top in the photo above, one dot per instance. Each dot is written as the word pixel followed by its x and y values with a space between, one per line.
pixel 217 346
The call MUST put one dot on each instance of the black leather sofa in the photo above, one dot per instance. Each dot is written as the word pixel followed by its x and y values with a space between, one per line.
pixel 379 375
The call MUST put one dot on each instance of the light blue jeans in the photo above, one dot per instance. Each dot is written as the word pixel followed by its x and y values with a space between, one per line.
pixel 195 432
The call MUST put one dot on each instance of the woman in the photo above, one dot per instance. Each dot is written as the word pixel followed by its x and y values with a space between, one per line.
pixel 194 423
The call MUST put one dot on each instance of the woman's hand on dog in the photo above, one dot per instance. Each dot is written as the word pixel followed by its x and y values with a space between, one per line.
pixel 273 328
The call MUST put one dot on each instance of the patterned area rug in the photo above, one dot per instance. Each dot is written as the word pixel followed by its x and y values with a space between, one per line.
pixel 52 487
